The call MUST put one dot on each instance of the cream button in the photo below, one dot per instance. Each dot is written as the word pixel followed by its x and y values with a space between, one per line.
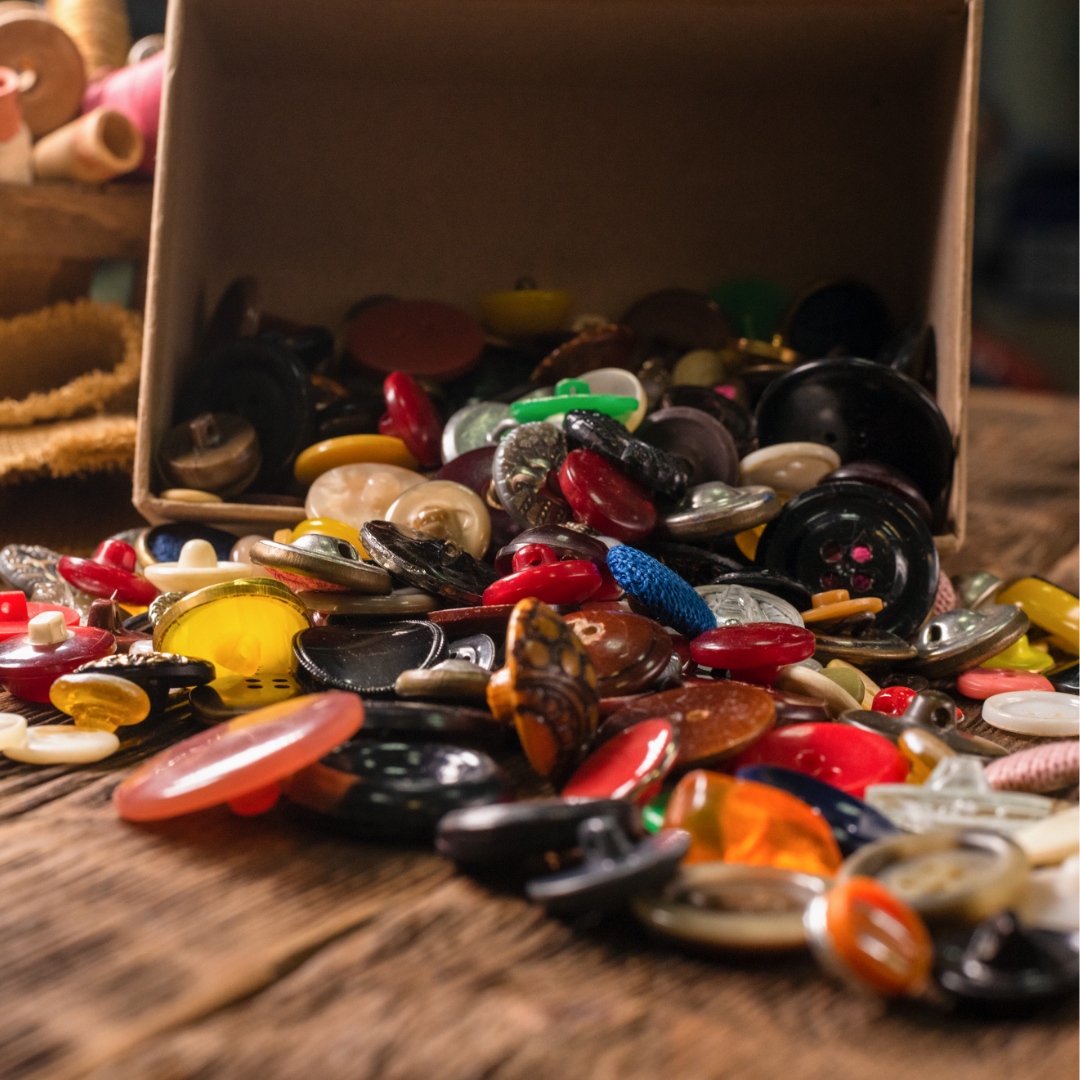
pixel 12 730
pixel 63 744
pixel 447 511
pixel 619 383
pixel 1034 712
pixel 1053 839
pixel 48 628
pixel 357 494
pixel 196 568
pixel 788 468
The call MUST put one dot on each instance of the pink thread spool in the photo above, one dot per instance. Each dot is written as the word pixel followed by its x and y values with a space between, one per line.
pixel 134 91
pixel 1042 768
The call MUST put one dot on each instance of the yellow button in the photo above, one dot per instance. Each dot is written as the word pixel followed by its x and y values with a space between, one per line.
pixel 836 605
pixel 748 541
pixel 190 495
pixel 352 450
pixel 1049 607
pixel 522 312
pixel 1021 656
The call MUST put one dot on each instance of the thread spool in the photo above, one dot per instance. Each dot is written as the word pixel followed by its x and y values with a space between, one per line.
pixel 96 147
pixel 50 68
pixel 99 28
pixel 145 47
pixel 14 134
pixel 136 92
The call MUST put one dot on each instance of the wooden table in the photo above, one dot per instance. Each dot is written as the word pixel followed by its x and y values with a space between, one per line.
pixel 222 948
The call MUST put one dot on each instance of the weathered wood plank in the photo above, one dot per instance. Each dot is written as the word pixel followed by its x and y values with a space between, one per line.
pixel 75 221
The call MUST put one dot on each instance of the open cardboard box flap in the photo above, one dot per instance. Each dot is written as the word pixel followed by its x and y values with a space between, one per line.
pixel 444 148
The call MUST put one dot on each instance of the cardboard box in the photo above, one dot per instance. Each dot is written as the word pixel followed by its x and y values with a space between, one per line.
pixel 444 148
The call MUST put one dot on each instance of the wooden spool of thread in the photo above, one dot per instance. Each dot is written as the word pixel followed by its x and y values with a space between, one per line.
pixel 136 92
pixel 100 28
pixel 14 134
pixel 51 74
pixel 96 147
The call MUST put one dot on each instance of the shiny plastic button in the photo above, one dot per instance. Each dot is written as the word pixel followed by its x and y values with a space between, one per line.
pixel 447 511
pixel 1034 712
pixel 352 450
pixel 788 468
pixel 356 494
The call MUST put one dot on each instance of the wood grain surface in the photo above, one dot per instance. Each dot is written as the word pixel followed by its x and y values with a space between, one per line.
pixel 225 948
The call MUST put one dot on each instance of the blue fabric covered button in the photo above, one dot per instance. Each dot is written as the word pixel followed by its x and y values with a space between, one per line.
pixel 661 592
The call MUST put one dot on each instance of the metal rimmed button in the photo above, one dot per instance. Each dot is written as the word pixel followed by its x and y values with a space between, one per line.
pixel 732 906
pixel 716 509
pixel 524 469
pixel 733 605
pixel 964 638
pixel 318 562
pixel 472 427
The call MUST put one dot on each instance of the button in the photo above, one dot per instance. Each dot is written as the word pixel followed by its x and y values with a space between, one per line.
pixel 12 730
pixel 797 709
pixel 753 652
pixel 266 383
pixel 96 701
pixel 402 603
pixel 714 720
pixel 234 695
pixel 963 638
pixel 538 573
pixel 734 605
pixel 472 428
pixel 462 622
pixel 417 337
pixel 525 310
pixel 317 562
pixel 1053 839
pixel 981 683
pixel 739 423
pixel 888 479
pixel 604 498
pixel 16 612
pixel 603 346
pixel 474 470
pixel 698 439
pixel 33 569
pixel 671 322
pixel 325 527
pixel 570 394
pixel 447 511
pixel 724 815
pixel 109 574
pixel 417 721
pixel 525 470
pixel 840 403
pixel 768 581
pixel 976 589
pixel 867 647
pixel 855 537
pixel 63 744
pixel 356 494
pixel 789 468
pixel 863 933
pixel 949 875
pixel 715 509
pixel 849 680
pixel 426 562
pixel 924 753
pixel 242 627
pixel 240 757
pixel 846 758
pixel 813 684
pixel 163 543
pixel 618 382
pixel 1021 655
pixel 547 688
pixel 352 450
pixel 628 766
pixel 30 663
pixel 956 795
pixel 732 906
pixel 853 823
pixel 661 593
pixel 189 495
pixel 836 605
pixel 196 568
pixel 1034 712
pixel 214 452
pixel 629 652
pixel 1050 767
pixel 448 680
pixel 366 660
pixel 843 317
pixel 393 790
pixel 411 417
pixel 1048 607
pixel 654 469
pixel 612 868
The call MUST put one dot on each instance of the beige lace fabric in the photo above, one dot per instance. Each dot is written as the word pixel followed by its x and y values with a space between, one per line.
pixel 56 366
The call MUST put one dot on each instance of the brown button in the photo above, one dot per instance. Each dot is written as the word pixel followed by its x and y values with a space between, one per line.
pixel 629 652
pixel 600 347
pixel 715 720
pixel 215 452
pixel 462 622
pixel 797 709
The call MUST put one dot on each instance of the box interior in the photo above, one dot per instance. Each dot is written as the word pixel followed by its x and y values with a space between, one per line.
pixel 444 148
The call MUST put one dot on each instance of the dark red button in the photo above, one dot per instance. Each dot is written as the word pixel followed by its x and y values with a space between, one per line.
pixel 753 652
pixel 606 499
pixel 419 337
pixel 109 574
pixel 846 757
pixel 411 417
pixel 567 582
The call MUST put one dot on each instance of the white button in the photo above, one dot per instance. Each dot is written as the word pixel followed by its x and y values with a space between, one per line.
pixel 63 744
pixel 12 730
pixel 1034 712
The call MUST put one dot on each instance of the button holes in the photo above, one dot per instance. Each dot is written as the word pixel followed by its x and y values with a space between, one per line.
pixel 862 583
pixel 831 552
pixel 861 553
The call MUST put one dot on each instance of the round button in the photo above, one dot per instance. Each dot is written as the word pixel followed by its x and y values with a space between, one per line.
pixel 472 427
pixel 352 450
pixel 629 652
pixel 983 683
pixel 604 498
pixel 63 744
pixel 856 537
pixel 411 416
pixel 620 383
pixel 447 511
pixel 789 468
pixel 753 652
pixel 715 509
pixel 1034 712
pixel 525 470
pixel 696 437
pixel 628 766
pixel 888 479
pixel 357 494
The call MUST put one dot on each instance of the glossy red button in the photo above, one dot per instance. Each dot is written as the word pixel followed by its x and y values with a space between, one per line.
pixel 240 757
pixel 753 652
pixel 418 337
pixel 981 683
pixel 629 766
pixel 16 612
pixel 606 499
pixel 846 757
pixel 27 671
pixel 109 574
pixel 567 582
pixel 411 417
pixel 894 700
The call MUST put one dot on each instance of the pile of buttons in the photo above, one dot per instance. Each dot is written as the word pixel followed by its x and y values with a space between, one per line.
pixel 649 615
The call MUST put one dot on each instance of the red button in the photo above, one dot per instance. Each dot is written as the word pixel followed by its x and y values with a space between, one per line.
pixel 567 582
pixel 16 612
pixel 627 766
pixel 753 652
pixel 846 757
pixel 419 337
pixel 110 574
pixel 606 499
pixel 411 417
pixel 894 700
